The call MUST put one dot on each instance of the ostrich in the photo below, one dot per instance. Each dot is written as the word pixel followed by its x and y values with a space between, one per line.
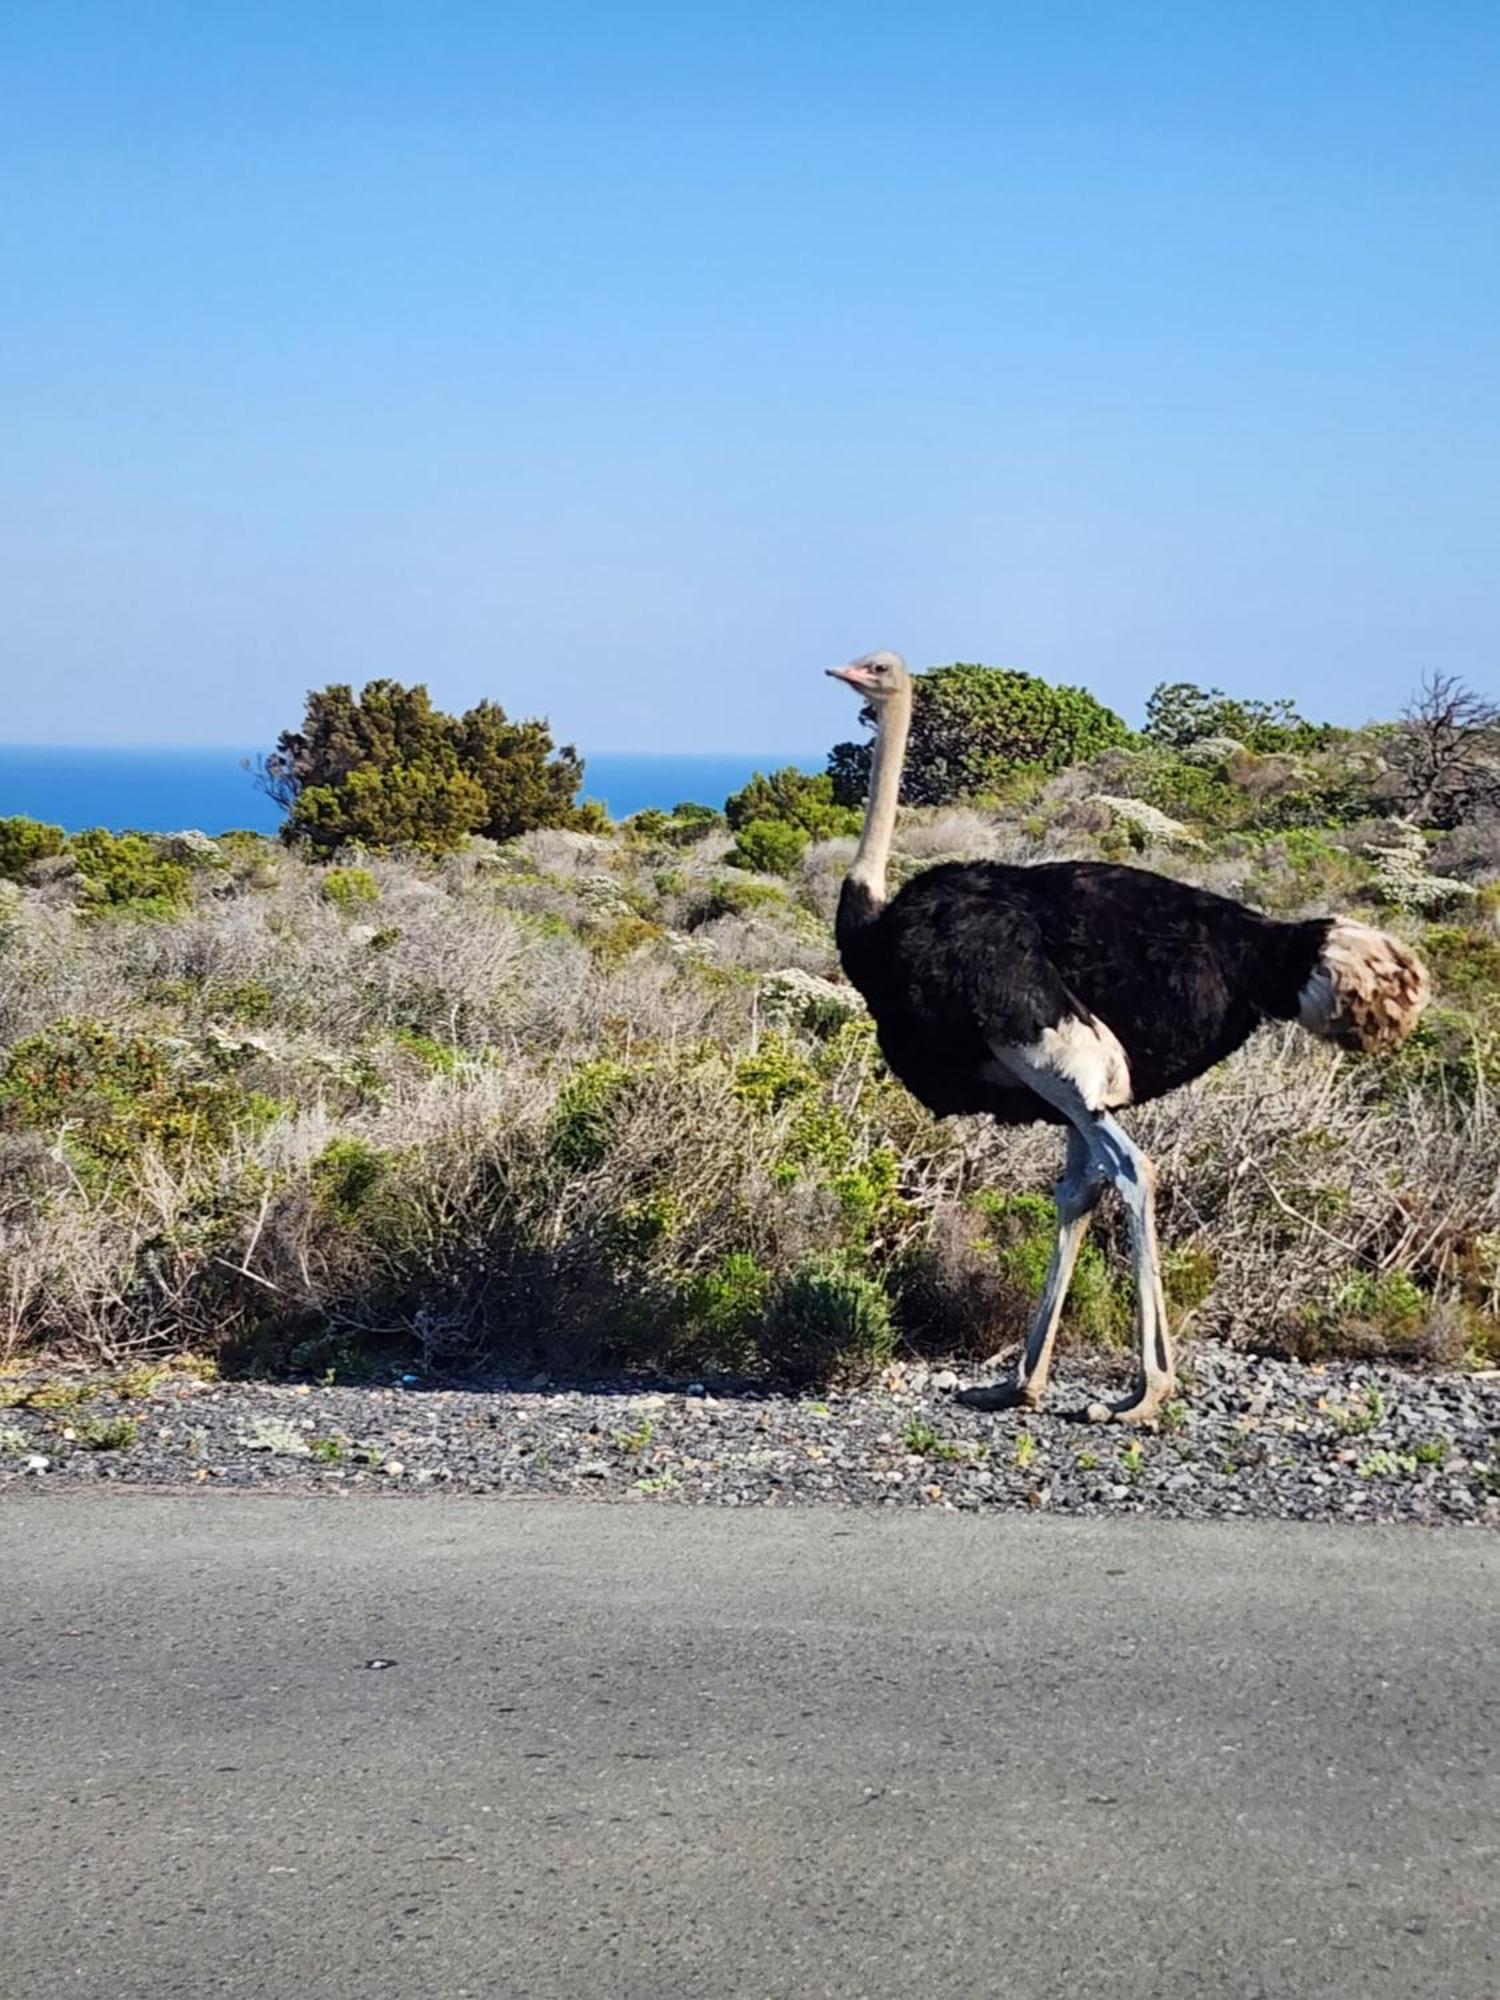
pixel 1067 990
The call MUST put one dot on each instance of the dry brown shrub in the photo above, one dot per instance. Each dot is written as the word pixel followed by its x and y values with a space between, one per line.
pixel 949 833
pixel 955 1300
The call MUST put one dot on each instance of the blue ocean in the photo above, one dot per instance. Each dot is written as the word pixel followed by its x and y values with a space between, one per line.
pixel 163 791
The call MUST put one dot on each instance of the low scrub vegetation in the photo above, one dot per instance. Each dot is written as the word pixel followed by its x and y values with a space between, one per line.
pixel 585 1098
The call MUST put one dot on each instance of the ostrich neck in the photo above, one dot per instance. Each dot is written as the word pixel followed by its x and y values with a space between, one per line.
pixel 864 893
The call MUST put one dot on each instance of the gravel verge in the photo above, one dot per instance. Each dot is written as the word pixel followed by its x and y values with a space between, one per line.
pixel 1249 1437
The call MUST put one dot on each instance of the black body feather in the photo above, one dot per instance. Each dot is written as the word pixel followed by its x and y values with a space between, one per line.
pixel 971 956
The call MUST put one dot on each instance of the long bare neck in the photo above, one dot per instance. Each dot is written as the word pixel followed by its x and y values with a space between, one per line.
pixel 864 893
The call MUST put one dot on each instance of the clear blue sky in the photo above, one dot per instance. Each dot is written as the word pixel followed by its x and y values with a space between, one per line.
pixel 630 363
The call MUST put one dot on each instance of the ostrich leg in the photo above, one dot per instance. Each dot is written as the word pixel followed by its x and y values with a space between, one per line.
pixel 1069 1075
pixel 1134 1177
pixel 1077 1196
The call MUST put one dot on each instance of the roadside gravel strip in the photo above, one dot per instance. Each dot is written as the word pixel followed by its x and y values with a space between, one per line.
pixel 1249 1437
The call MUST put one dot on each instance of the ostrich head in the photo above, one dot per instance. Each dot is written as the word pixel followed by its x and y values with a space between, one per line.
pixel 875 676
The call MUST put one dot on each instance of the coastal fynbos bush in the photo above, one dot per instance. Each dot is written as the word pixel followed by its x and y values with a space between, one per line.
pixel 348 1174
pixel 793 798
pixel 23 841
pixel 350 888
pixel 587 1108
pixel 972 726
pixel 104 1095
pixel 769 846
pixel 731 896
pixel 722 1309
pixel 826 1321
pixel 774 817
pixel 386 769
pixel 1180 714
pixel 683 826
pixel 126 873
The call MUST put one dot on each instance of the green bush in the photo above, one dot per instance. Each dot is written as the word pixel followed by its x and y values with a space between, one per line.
pixel 615 938
pixel 1025 1233
pixel 400 805
pixel 1363 1311
pixel 1201 797
pixel 972 726
pixel 526 783
pixel 1179 713
pixel 350 889
pixel 1452 1053
pixel 110 1094
pixel 440 1058
pixel 1465 964
pixel 347 1174
pixel 827 1322
pixel 796 798
pixel 769 846
pixel 729 896
pixel 390 770
pixel 773 1074
pixel 247 1001
pixel 1246 793
pixel 683 825
pixel 587 1110
pixel 23 841
pixel 722 1308
pixel 125 874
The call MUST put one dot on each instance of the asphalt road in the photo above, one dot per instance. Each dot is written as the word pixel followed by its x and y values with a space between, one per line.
pixel 643 1751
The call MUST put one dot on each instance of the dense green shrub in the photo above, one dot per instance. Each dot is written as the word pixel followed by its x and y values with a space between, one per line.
pixel 733 896
pixel 1202 798
pixel 348 1173
pixel 1362 1311
pixel 1465 963
pixel 126 873
pixel 399 805
pixel 23 841
pixel 588 1105
pixel 972 726
pixel 389 770
pixel 776 814
pixel 1025 1231
pixel 109 1094
pixel 350 889
pixel 1249 792
pixel 681 827
pixel 1179 714
pixel 768 846
pixel 526 782
pixel 797 798
pixel 722 1309
pixel 827 1321
pixel 774 1073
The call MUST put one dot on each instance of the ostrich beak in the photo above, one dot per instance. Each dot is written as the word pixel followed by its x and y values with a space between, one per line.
pixel 853 676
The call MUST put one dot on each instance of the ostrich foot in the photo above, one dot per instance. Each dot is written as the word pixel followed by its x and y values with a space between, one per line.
pixel 1143 1408
pixel 1010 1395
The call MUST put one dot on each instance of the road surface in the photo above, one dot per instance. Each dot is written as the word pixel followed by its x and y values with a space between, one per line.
pixel 621 1751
